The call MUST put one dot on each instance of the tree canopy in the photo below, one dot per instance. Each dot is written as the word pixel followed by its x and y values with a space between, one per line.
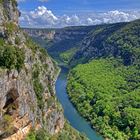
pixel 108 95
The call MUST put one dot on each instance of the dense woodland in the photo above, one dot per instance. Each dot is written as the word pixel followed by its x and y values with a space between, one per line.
pixel 106 90
pixel 103 84
pixel 105 87
pixel 108 95
pixel 120 40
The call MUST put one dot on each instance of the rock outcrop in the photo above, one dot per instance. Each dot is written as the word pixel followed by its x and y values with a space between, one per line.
pixel 27 94
pixel 57 41
pixel 42 33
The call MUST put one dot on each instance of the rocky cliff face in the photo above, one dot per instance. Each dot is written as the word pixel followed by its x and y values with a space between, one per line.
pixel 8 13
pixel 27 95
pixel 42 33
pixel 56 35
pixel 58 41
pixel 119 40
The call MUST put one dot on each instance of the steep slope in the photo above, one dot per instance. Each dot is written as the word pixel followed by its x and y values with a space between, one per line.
pixel 106 89
pixel 117 40
pixel 27 78
pixel 59 41
pixel 74 45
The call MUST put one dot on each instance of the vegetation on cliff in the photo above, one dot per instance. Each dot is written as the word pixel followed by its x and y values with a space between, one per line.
pixel 10 56
pixel 106 90
pixel 119 40
pixel 27 77
pixel 68 133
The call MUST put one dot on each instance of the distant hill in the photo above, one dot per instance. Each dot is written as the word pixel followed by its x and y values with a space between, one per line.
pixel 106 88
pixel 74 45
pixel 104 84
pixel 29 109
pixel 117 40
pixel 58 41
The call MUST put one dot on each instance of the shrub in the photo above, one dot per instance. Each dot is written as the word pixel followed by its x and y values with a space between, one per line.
pixel 20 58
pixel 17 40
pixel 31 136
pixel 11 57
pixel 10 27
pixel 1 1
pixel 38 87
pixel 30 44
pixel 42 135
pixel 6 124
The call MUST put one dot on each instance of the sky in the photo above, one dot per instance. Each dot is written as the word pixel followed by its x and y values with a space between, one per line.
pixel 62 13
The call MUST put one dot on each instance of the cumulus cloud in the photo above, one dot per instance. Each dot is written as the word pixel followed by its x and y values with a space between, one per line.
pixel 43 17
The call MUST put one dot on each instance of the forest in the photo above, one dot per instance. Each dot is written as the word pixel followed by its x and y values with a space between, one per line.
pixel 104 80
pixel 105 86
pixel 107 94
pixel 120 40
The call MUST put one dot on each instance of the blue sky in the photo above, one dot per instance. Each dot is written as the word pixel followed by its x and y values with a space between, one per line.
pixel 70 11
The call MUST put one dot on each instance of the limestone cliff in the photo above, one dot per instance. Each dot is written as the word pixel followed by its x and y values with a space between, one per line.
pixel 27 78
pixel 44 34
pixel 59 41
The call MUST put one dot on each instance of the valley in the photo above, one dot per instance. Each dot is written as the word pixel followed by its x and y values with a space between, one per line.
pixel 103 82
pixel 70 83
pixel 29 109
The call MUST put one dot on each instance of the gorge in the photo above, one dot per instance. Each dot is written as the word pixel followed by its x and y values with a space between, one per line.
pixel 103 82
pixel 28 105
pixel 98 85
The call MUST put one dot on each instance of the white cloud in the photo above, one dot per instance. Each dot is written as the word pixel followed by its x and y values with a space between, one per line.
pixel 42 17
pixel 90 21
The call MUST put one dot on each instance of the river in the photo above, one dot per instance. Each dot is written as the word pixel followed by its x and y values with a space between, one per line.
pixel 70 112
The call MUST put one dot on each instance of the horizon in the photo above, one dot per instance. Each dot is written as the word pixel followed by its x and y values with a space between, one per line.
pixel 49 28
pixel 60 14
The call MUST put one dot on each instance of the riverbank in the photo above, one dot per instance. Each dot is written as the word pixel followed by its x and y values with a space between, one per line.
pixel 70 113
